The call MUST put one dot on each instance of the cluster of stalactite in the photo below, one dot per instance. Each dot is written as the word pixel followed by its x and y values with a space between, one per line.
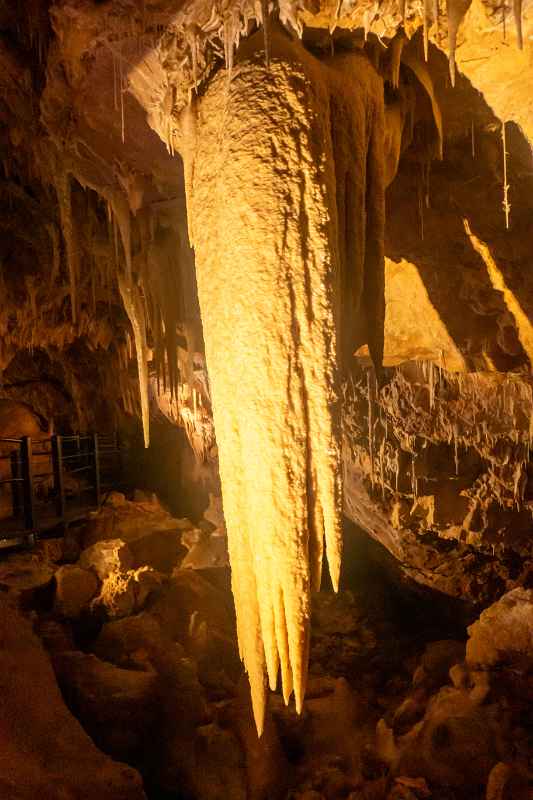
pixel 273 373
pixel 207 31
pixel 134 259
pixel 426 420
pixel 138 250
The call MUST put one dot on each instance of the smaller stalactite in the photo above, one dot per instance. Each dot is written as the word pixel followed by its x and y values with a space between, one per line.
pixel 455 11
pixel 64 198
pixel 517 11
pixel 134 308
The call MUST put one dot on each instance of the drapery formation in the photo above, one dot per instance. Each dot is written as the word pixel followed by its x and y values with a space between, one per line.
pixel 284 171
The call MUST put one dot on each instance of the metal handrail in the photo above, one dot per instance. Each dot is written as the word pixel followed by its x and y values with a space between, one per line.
pixel 23 478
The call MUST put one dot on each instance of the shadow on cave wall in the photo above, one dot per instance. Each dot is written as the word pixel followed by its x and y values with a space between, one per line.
pixel 468 184
pixel 68 389
pixel 169 468
pixel 368 568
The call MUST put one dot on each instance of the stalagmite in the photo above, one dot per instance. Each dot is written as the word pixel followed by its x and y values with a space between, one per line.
pixel 270 259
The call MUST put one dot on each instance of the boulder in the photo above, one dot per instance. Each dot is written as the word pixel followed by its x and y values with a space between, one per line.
pixel 137 642
pixel 122 593
pixel 216 655
pixel 182 709
pixel 456 744
pixel 117 499
pixel 504 632
pixel 221 771
pixel 161 550
pixel 128 520
pixel 25 575
pixel 105 557
pixel 50 550
pixel 508 782
pixel 188 593
pixel 117 707
pixel 75 588
pixel 206 550
pixel 437 660
pixel 44 750
pixel 332 727
pixel 56 635
pixel 265 762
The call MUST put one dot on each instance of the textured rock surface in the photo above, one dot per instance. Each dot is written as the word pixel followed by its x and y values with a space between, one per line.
pixel 25 575
pixel 293 261
pixel 136 641
pixel 128 520
pixel 225 775
pixel 504 632
pixel 126 591
pixel 117 707
pixel 98 275
pixel 106 557
pixel 45 751
pixel 75 588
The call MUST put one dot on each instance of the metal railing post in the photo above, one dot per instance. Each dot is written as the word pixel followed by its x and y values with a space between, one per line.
pixel 27 475
pixel 57 461
pixel 120 459
pixel 96 469
pixel 15 488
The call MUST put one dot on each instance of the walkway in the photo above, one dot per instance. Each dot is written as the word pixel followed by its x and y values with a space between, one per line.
pixel 52 482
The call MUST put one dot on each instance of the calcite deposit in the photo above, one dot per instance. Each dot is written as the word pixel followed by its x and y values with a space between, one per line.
pixel 280 252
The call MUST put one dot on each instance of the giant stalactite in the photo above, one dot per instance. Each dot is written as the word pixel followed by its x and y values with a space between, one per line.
pixel 285 196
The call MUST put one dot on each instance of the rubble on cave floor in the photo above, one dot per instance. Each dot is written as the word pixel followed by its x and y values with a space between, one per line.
pixel 403 702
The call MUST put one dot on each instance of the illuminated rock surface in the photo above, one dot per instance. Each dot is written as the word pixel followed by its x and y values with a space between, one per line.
pixel 274 243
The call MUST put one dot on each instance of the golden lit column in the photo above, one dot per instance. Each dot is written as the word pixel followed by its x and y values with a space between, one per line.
pixel 261 206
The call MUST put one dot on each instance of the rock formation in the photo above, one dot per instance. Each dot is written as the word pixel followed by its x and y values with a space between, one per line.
pixel 300 231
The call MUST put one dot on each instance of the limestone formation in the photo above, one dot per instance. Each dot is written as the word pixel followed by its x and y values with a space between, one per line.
pixel 75 588
pixel 45 750
pixel 281 252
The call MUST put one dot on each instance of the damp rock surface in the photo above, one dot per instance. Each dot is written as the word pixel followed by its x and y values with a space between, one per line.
pixel 45 750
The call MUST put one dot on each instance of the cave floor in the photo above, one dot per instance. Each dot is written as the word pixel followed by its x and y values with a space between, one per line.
pixel 150 668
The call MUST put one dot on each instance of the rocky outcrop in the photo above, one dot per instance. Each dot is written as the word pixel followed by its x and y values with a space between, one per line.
pixel 123 592
pixel 468 732
pixel 45 751
pixel 117 707
pixel 75 588
pixel 129 520
pixel 449 500
pixel 504 633
pixel 26 575
pixel 106 557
